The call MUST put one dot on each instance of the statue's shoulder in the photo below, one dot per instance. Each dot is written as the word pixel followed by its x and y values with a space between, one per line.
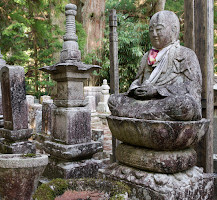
pixel 144 59
pixel 187 53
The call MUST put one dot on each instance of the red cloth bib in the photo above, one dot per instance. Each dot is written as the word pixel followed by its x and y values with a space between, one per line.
pixel 152 56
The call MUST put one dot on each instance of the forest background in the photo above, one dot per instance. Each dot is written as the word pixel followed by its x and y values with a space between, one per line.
pixel 32 30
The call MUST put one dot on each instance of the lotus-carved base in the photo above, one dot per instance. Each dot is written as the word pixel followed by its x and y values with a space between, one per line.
pixel 158 135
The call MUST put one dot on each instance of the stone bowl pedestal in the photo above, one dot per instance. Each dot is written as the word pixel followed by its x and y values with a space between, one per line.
pixel 19 175
pixel 158 135
pixel 157 146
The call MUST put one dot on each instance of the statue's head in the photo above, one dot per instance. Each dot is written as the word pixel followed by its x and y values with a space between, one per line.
pixel 164 29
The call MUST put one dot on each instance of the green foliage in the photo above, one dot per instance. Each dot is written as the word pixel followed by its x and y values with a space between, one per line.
pixel 133 41
pixel 81 37
pixel 175 6
pixel 30 39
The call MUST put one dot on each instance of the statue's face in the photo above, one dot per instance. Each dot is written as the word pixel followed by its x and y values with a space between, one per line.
pixel 161 32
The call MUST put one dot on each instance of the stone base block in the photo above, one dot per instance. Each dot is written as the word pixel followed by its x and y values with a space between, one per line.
pixel 77 169
pixel 72 152
pixel 192 184
pixel 15 135
pixel 71 125
pixel 23 147
pixel 156 161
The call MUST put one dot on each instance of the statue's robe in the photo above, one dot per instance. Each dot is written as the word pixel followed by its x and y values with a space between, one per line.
pixel 178 85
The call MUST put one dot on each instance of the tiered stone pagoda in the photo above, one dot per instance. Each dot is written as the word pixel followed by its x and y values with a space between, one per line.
pixel 69 145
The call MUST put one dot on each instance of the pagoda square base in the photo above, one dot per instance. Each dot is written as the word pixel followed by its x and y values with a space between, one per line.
pixel 72 152
pixel 76 169
pixel 192 184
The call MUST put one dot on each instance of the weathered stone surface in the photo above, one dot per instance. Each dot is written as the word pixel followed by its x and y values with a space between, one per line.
pixel 14 98
pixel 91 103
pixel 167 86
pixel 159 135
pixel 156 161
pixel 71 125
pixel 30 99
pixel 71 103
pixel 72 152
pixel 47 117
pixel 45 98
pixel 21 174
pixel 10 135
pixel 35 117
pixel 22 161
pixel 98 135
pixel 192 184
pixel 77 169
pixel 23 147
pixel 93 91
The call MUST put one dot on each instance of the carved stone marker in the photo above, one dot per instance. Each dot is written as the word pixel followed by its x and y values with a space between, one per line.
pixel 15 112
pixel 159 120
pixel 70 138
pixel 103 104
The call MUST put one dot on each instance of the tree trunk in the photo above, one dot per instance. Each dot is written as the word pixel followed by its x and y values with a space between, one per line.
pixel 94 23
pixel 160 5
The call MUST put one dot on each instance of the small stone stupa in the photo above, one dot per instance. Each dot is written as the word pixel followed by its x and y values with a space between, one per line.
pixel 69 145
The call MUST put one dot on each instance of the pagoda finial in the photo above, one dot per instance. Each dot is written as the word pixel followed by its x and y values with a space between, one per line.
pixel 70 52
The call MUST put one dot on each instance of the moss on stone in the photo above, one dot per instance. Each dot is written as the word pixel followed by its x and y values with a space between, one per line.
pixel 51 190
pixel 29 155
pixel 57 187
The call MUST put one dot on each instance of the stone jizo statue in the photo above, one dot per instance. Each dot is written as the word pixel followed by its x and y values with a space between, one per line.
pixel 168 84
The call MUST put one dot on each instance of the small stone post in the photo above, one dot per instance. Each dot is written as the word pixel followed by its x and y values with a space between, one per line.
pixel 114 72
pixel 103 104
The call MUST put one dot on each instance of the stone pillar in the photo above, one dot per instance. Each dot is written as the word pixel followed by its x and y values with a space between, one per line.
pixel 15 134
pixel 103 104
pixel 114 72
pixel 69 143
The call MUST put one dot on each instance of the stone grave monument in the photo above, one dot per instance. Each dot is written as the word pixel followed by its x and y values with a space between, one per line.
pixel 20 166
pixel 15 134
pixel 69 144
pixel 159 121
